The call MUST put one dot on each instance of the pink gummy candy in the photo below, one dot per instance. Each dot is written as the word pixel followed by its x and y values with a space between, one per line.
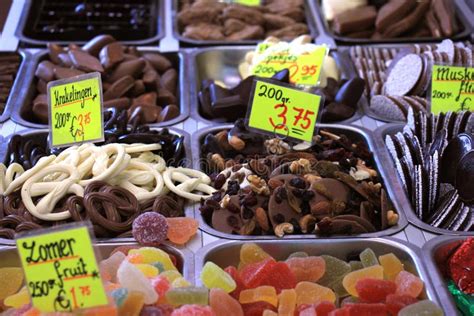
pixel 408 284
pixel 193 310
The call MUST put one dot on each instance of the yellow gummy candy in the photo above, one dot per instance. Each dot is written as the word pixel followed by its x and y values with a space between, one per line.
pixel 287 303
pixel 15 280
pixel 148 270
pixel 18 300
pixel 171 275
pixel 252 253
pixel 180 282
pixel 312 293
pixel 350 280
pixel 391 266
pixel 260 294
pixel 152 255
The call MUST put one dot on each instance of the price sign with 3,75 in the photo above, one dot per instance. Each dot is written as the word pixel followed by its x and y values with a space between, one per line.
pixel 75 110
pixel 282 110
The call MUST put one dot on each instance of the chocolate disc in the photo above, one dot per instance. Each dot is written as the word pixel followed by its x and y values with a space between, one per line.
pixel 452 155
pixel 465 177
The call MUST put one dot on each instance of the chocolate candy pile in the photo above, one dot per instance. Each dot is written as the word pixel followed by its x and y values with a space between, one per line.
pixel 381 20
pixel 9 64
pixel 214 20
pixel 434 159
pixel 266 187
pixel 145 84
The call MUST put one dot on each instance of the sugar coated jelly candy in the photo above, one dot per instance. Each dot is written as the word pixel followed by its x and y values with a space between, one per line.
pixel 187 295
pixel 150 228
pixel 160 284
pixel 257 308
pixel 298 254
pixel 171 275
pixel 360 309
pixel 212 276
pixel 335 269
pixel 374 290
pixel 421 308
pixel 356 265
pixel 180 282
pixel 350 280
pixel 119 295
pixel 105 310
pixel 391 266
pixel 223 304
pixel 15 280
pixel 17 300
pixel 408 284
pixel 280 277
pixel 368 258
pixel 152 255
pixel 269 312
pixel 111 265
pixel 307 269
pixel 254 273
pixel 396 302
pixel 133 304
pixel 134 280
pixel 287 302
pixel 181 229
pixel 232 271
pixel 252 253
pixel 259 294
pixel 319 309
pixel 311 293
pixel 193 310
pixel 147 269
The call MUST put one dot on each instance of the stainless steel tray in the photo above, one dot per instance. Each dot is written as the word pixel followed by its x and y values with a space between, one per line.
pixel 187 162
pixel 221 63
pixel 310 22
pixel 353 133
pixel 160 29
pixel 390 170
pixel 28 90
pixel 184 258
pixel 227 253
pixel 439 248
pixel 462 13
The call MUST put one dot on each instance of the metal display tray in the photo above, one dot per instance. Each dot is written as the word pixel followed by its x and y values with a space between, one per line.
pixel 435 252
pixel 222 63
pixel 27 93
pixel 43 134
pixel 310 22
pixel 462 13
pixel 396 184
pixel 355 133
pixel 30 41
pixel 227 253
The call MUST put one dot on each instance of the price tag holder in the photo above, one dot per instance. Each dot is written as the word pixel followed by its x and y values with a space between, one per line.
pixel 61 269
pixel 283 110
pixel 452 89
pixel 305 69
pixel 75 110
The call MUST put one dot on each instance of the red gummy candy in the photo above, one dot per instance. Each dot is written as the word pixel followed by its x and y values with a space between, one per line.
pixel 322 309
pixel 232 271
pixel 280 277
pixel 339 312
pixel 253 274
pixel 257 308
pixel 396 302
pixel 362 309
pixel 374 290
pixel 461 265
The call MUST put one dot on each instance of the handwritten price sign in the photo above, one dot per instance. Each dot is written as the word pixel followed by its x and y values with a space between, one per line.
pixel 75 110
pixel 304 69
pixel 452 89
pixel 284 111
pixel 61 270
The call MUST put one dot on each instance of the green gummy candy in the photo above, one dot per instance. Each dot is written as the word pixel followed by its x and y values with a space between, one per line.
pixel 159 266
pixel 421 308
pixel 356 265
pixel 338 288
pixel 188 295
pixel 298 254
pixel 335 270
pixel 368 258
pixel 464 302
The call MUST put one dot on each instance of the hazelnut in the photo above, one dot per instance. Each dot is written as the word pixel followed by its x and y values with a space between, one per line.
pixel 307 223
pixel 262 218
pixel 218 161
pixel 237 143
pixel 392 218
pixel 284 228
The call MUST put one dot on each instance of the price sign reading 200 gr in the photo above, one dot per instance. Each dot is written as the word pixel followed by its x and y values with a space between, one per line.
pixel 75 110
pixel 282 110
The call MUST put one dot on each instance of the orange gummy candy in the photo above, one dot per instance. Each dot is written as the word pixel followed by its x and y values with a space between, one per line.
pixel 181 229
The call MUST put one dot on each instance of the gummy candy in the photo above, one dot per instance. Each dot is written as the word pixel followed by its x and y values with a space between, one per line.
pixel 181 229
pixel 107 310
pixel 280 277
pixel 408 284
pixel 461 265
pixel 19 299
pixel 232 271
pixel 363 309
pixel 338 288
pixel 259 294
pixel 133 303
pixel 171 275
pixel 320 309
pixel 110 265
pixel 464 301
pixel 212 276
pixel 349 300
pixel 311 293
pixel 150 228
pixel 223 304
pixel 356 265
pixel 257 308
pixel 187 295
pixel 159 266
pixel 165 309
pixel 119 295
pixel 269 312
pixel 193 310
pixel 135 258
pixel 15 281
pixel 374 290
pixel 132 279
pixel 253 274
pixel 335 269
pixel 152 255
pixel 161 285
pixel 368 258
pixel 396 302
pixel 252 253
pixel 151 311
pixel 350 280
pixel 287 302
pixel 391 266
pixel 147 269
pixel 180 282
pixel 421 308
pixel 298 254
pixel 307 269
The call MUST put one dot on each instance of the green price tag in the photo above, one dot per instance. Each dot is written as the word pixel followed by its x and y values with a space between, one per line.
pixel 247 2
pixel 282 110
pixel 305 69
pixel 61 270
pixel 452 89
pixel 75 110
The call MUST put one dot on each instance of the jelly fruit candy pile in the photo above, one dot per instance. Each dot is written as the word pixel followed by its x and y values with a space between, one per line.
pixel 307 285
pixel 152 229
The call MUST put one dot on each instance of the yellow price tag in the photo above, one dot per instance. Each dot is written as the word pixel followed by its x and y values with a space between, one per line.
pixel 247 2
pixel 61 270
pixel 75 110
pixel 452 89
pixel 282 110
pixel 304 69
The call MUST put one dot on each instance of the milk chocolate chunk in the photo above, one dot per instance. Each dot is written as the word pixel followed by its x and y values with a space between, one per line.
pixel 138 88
pixel 204 31
pixel 53 52
pixel 119 88
pixel 40 108
pixel 433 24
pixel 290 32
pixel 233 25
pixel 84 61
pixel 169 80
pixel 94 46
pixel 120 103
pixel 246 14
pixel 129 68
pixel 45 70
pixel 158 61
pixel 149 78
pixel 65 60
pixel 247 33
pixel 276 21
pixel 409 21
pixel 165 97
pixel 199 13
pixel 444 11
pixel 361 18
pixel 111 54
pixel 169 112
pixel 41 86
pixel 392 12
pixel 63 73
